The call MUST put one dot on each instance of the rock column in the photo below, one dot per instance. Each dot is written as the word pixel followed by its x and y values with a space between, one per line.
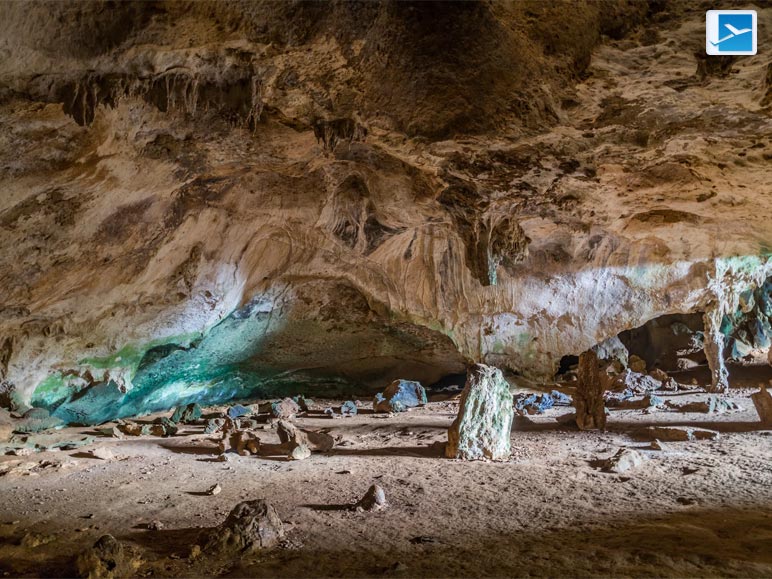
pixel 484 422
pixel 714 351
pixel 590 407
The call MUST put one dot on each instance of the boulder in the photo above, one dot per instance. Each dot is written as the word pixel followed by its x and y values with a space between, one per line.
pixel 484 422
pixel 399 396
pixel 348 408
pixel 762 400
pixel 303 403
pixel 237 410
pixel 213 425
pixel 186 414
pixel 539 403
pixel 250 526
pixel 294 439
pixel 285 409
pixel 163 427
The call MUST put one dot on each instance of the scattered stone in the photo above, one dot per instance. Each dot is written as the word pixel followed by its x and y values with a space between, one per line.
pixel 155 526
pixel 107 559
pixel 102 453
pixel 712 405
pixel 658 445
pixel 624 460
pixel 163 427
pixel 285 409
pixel 636 382
pixel 762 400
pixel 627 401
pixel 679 433
pixel 237 410
pixel 250 526
pixel 637 364
pixel 539 403
pixel 110 431
pixel 242 442
pixel 133 429
pixel 399 396
pixel 303 403
pixel 319 441
pixel 659 375
pixel 224 457
pixel 213 425
pixel 215 489
pixel 294 439
pixel 482 428
pixel 186 414
pixel 348 408
pixel 374 499
pixel 330 412
pixel 246 423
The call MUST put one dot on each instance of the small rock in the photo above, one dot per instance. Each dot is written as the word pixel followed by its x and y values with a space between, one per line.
pixel 155 526
pixel 102 453
pixel 215 489
pixel 348 408
pixel 224 457
pixel 374 499
pixel 624 460
pixel 330 413
pixel 658 445
pixel 659 374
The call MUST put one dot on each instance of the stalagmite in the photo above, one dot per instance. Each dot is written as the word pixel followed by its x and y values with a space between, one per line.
pixel 482 427
pixel 590 408
pixel 714 351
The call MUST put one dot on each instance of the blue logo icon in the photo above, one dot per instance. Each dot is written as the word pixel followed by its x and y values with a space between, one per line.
pixel 730 32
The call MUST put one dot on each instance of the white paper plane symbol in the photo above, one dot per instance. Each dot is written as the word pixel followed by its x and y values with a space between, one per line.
pixel 734 31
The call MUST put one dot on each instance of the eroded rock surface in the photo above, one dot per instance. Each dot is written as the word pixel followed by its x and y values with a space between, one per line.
pixel 305 198
pixel 482 428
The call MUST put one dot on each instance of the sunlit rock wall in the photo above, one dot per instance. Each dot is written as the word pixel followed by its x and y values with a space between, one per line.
pixel 200 203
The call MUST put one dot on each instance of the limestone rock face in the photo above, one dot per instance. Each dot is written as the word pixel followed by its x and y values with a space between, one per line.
pixel 484 422
pixel 323 198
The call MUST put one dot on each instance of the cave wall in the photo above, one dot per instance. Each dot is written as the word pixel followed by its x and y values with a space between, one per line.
pixel 401 198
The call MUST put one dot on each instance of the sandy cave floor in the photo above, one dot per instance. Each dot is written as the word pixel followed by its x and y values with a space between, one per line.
pixel 695 509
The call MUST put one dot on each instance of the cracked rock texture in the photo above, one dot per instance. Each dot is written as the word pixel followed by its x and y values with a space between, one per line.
pixel 204 201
